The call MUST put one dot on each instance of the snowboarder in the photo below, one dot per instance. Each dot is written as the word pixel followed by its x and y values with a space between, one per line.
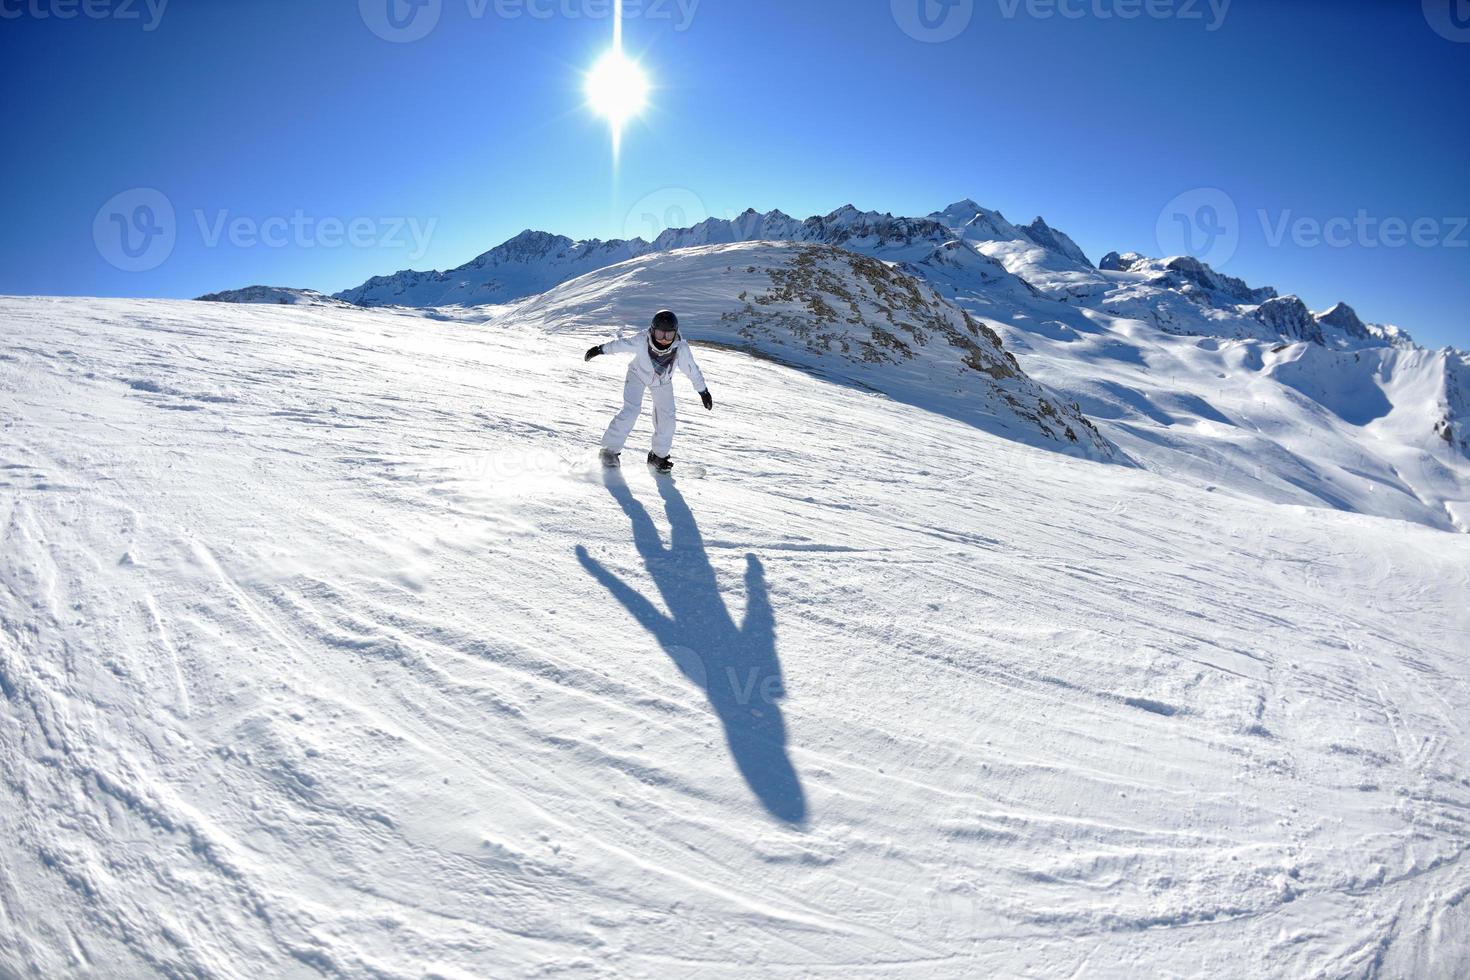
pixel 656 352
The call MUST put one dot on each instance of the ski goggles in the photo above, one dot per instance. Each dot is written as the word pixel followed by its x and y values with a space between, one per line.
pixel 665 336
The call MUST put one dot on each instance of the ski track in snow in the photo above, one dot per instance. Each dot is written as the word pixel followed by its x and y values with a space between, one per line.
pixel 302 672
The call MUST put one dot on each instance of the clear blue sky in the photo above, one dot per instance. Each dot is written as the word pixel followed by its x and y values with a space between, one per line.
pixel 279 108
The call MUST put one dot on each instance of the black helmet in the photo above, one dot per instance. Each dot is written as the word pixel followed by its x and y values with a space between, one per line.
pixel 665 322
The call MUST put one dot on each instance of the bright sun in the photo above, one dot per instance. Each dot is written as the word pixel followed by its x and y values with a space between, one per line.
pixel 617 88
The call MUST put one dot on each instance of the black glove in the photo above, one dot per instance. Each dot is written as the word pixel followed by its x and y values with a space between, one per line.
pixel 708 399
pixel 592 352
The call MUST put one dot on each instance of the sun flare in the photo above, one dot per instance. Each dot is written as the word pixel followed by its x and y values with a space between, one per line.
pixel 617 89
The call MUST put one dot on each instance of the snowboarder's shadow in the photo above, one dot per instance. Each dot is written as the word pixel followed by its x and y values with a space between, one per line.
pixel 737 667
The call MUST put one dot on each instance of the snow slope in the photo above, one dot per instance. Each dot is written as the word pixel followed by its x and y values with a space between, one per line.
pixel 324 653
pixel 1237 389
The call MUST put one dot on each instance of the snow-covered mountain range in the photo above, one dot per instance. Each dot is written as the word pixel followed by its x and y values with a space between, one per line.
pixel 534 261
pixel 1181 368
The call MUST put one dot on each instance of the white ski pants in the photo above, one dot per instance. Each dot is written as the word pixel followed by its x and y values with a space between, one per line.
pixel 622 424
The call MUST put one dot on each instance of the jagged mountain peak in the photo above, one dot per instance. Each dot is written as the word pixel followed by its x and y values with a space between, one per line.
pixel 973 222
pixel 532 237
pixel 968 214
pixel 528 245
pixel 1048 237
pixel 1289 316
pixel 1120 262
pixel 272 295
pixel 1189 276
pixel 847 212
pixel 963 211
pixel 1344 318
pixel 1343 325
pixel 532 241
pixel 879 228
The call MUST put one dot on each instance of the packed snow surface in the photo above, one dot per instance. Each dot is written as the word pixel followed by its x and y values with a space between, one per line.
pixel 325 650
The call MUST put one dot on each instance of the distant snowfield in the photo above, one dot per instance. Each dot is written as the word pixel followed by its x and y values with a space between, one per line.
pixel 325 650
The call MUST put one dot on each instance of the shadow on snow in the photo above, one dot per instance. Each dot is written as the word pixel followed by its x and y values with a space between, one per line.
pixel 737 667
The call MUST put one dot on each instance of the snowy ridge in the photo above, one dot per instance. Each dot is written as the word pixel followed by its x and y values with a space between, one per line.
pixel 279 295
pixel 844 316
pixel 533 262
pixel 1342 324
pixel 1057 241
pixel 326 649
pixel 1219 305
pixel 529 263
pixel 1189 276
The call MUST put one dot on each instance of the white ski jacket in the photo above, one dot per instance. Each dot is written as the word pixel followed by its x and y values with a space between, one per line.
pixel 643 368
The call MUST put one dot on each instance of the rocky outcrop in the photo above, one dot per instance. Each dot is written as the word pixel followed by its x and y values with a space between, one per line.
pixel 1289 317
